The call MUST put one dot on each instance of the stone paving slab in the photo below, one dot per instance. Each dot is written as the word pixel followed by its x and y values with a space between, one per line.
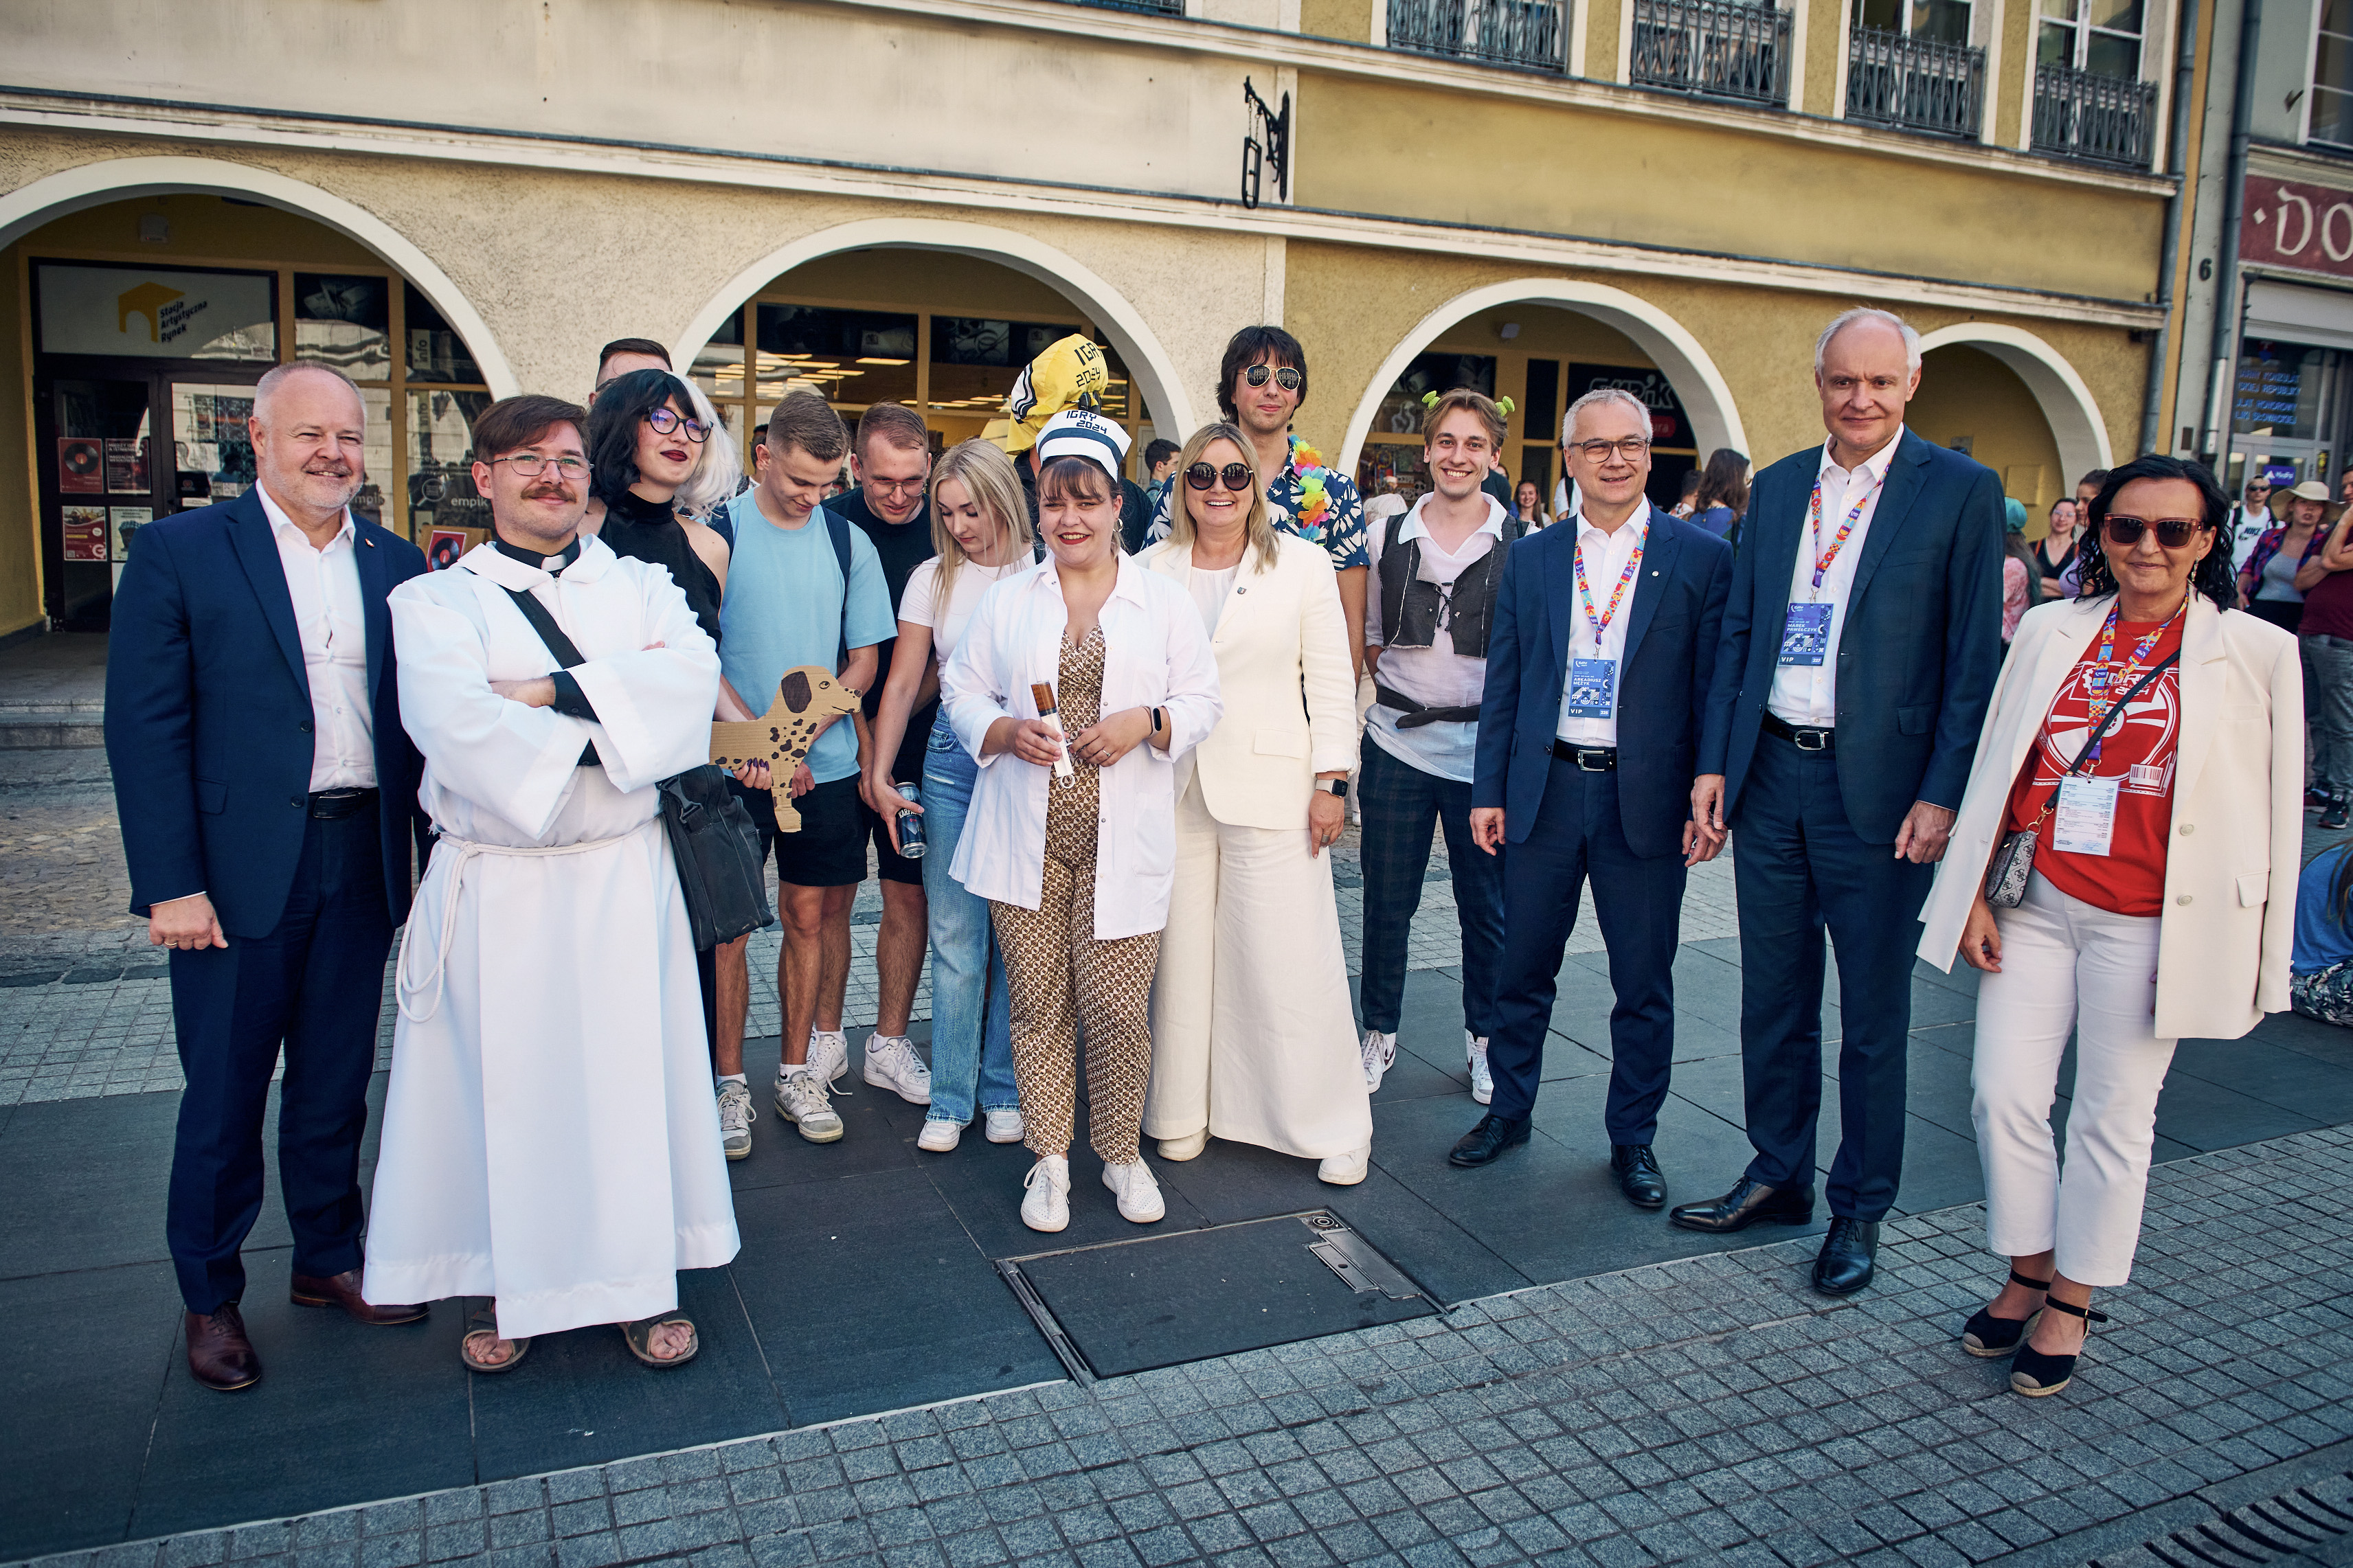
pixel 1711 1409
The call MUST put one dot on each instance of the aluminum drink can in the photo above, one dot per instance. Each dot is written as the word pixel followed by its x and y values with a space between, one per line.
pixel 911 826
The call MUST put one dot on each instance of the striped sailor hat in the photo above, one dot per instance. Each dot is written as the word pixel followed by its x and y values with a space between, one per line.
pixel 1083 433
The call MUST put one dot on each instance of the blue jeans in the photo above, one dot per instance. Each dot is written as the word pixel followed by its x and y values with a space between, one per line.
pixel 1402 806
pixel 972 1031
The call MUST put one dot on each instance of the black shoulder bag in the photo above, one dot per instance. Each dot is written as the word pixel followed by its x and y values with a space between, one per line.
pixel 711 838
pixel 2005 883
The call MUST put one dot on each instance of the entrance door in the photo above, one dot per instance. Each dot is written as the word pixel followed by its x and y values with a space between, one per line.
pixel 98 488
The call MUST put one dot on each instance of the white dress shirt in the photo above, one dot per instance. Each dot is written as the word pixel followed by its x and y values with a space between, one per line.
pixel 1605 556
pixel 1807 693
pixel 331 620
pixel 1155 655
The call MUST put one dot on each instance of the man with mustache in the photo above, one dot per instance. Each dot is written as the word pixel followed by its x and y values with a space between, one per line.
pixel 268 798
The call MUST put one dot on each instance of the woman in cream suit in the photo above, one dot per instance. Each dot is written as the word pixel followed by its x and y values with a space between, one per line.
pixel 1253 1037
pixel 2161 902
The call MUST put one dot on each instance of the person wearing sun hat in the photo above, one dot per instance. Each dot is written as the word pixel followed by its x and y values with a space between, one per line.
pixel 1076 688
pixel 1071 372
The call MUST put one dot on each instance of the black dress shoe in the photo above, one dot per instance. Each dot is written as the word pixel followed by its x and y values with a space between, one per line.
pixel 1638 1175
pixel 1748 1202
pixel 219 1356
pixel 1849 1253
pixel 1490 1138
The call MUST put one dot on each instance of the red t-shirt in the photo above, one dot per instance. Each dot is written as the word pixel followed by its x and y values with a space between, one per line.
pixel 2139 748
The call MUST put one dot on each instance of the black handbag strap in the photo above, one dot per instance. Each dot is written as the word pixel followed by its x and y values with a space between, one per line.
pixel 2135 690
pixel 566 655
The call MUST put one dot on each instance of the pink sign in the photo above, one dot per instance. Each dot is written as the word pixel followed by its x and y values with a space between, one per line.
pixel 2290 224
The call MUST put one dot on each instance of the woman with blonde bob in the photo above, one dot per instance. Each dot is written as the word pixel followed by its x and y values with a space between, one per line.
pixel 980 528
pixel 1251 1033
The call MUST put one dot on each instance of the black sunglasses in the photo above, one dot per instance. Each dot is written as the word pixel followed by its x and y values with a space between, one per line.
pixel 2173 532
pixel 1285 376
pixel 1238 476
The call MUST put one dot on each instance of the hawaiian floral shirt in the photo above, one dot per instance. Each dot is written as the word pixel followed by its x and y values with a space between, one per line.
pixel 1317 503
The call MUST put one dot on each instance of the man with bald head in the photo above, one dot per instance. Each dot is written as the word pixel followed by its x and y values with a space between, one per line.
pixel 268 798
pixel 1861 643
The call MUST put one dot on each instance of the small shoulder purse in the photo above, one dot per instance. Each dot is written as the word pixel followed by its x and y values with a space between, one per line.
pixel 2005 883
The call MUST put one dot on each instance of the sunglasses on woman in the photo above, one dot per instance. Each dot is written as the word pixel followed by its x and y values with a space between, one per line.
pixel 1285 376
pixel 2173 532
pixel 1238 476
pixel 664 420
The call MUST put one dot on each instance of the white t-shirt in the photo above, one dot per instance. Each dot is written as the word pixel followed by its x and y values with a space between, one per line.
pixel 915 607
pixel 1209 590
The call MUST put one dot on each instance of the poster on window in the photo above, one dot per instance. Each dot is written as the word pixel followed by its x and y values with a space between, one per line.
pixel 126 466
pixel 443 548
pixel 122 522
pixel 143 313
pixel 85 533
pixel 1669 425
pixel 81 465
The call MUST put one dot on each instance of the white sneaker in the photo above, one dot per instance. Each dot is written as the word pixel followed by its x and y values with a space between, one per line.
pixel 892 1063
pixel 1379 1051
pixel 939 1136
pixel 1048 1205
pixel 1186 1148
pixel 828 1054
pixel 1003 1126
pixel 735 1117
pixel 801 1100
pixel 1482 1082
pixel 1139 1195
pixel 1344 1170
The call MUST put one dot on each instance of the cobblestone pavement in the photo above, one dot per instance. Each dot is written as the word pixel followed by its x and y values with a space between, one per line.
pixel 1711 1409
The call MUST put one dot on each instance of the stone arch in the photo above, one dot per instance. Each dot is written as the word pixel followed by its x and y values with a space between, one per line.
pixel 2067 404
pixel 1715 422
pixel 1139 347
pixel 94 184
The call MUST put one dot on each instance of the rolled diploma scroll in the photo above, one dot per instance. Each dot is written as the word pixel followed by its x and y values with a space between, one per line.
pixel 1042 693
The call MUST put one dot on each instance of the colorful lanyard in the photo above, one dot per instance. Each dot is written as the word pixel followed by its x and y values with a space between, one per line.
pixel 1822 558
pixel 1600 623
pixel 2104 677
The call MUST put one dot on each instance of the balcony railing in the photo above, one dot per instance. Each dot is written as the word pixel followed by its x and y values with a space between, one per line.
pixel 1915 84
pixel 2099 119
pixel 1149 7
pixel 1526 35
pixel 1719 49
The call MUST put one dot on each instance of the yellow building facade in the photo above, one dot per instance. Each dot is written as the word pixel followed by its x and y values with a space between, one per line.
pixel 885 198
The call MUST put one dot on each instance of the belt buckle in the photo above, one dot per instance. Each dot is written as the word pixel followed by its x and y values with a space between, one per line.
pixel 1600 755
pixel 1800 734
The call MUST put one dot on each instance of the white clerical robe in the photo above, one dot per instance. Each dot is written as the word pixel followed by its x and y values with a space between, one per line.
pixel 550 1134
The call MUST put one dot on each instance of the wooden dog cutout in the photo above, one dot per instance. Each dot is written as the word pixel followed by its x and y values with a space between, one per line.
pixel 782 736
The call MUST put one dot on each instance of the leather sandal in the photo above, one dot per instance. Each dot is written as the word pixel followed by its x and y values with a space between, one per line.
pixel 639 1339
pixel 2035 1374
pixel 1989 1336
pixel 484 1319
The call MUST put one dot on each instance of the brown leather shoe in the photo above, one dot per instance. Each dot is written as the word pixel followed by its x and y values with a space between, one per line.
pixel 219 1356
pixel 344 1291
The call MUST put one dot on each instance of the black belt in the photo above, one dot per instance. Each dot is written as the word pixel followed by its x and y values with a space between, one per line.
pixel 334 805
pixel 1805 737
pixel 1590 759
pixel 1416 714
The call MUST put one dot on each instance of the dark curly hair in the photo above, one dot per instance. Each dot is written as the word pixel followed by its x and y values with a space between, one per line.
pixel 2213 575
pixel 613 425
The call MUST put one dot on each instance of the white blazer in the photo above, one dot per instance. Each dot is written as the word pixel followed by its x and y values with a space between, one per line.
pixel 1281 633
pixel 1155 656
pixel 2238 809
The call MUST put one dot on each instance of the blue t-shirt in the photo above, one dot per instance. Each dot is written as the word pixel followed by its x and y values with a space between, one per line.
pixel 784 608
pixel 2321 938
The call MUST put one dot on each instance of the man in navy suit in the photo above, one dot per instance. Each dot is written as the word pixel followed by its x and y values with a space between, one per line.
pixel 268 798
pixel 1597 670
pixel 1860 647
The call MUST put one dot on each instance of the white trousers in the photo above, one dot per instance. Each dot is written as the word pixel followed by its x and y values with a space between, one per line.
pixel 2068 966
pixel 1252 1034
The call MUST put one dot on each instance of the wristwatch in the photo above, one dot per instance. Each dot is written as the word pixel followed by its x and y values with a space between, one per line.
pixel 1333 786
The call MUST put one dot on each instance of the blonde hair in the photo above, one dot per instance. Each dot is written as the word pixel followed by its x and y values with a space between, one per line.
pixel 1258 528
pixel 987 476
pixel 718 471
pixel 1438 406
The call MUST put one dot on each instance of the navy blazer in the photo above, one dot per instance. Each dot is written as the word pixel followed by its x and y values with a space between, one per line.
pixel 1673 611
pixel 208 726
pixel 1921 643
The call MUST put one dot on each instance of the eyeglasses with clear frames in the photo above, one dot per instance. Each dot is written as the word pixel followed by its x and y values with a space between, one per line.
pixel 1631 448
pixel 897 487
pixel 530 465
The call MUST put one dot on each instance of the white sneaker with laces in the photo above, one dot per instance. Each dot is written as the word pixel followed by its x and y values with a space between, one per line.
pixel 1003 1126
pixel 828 1054
pixel 1047 1205
pixel 801 1100
pixel 735 1117
pixel 1344 1170
pixel 1139 1195
pixel 939 1136
pixel 1482 1082
pixel 892 1063
pixel 1380 1052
